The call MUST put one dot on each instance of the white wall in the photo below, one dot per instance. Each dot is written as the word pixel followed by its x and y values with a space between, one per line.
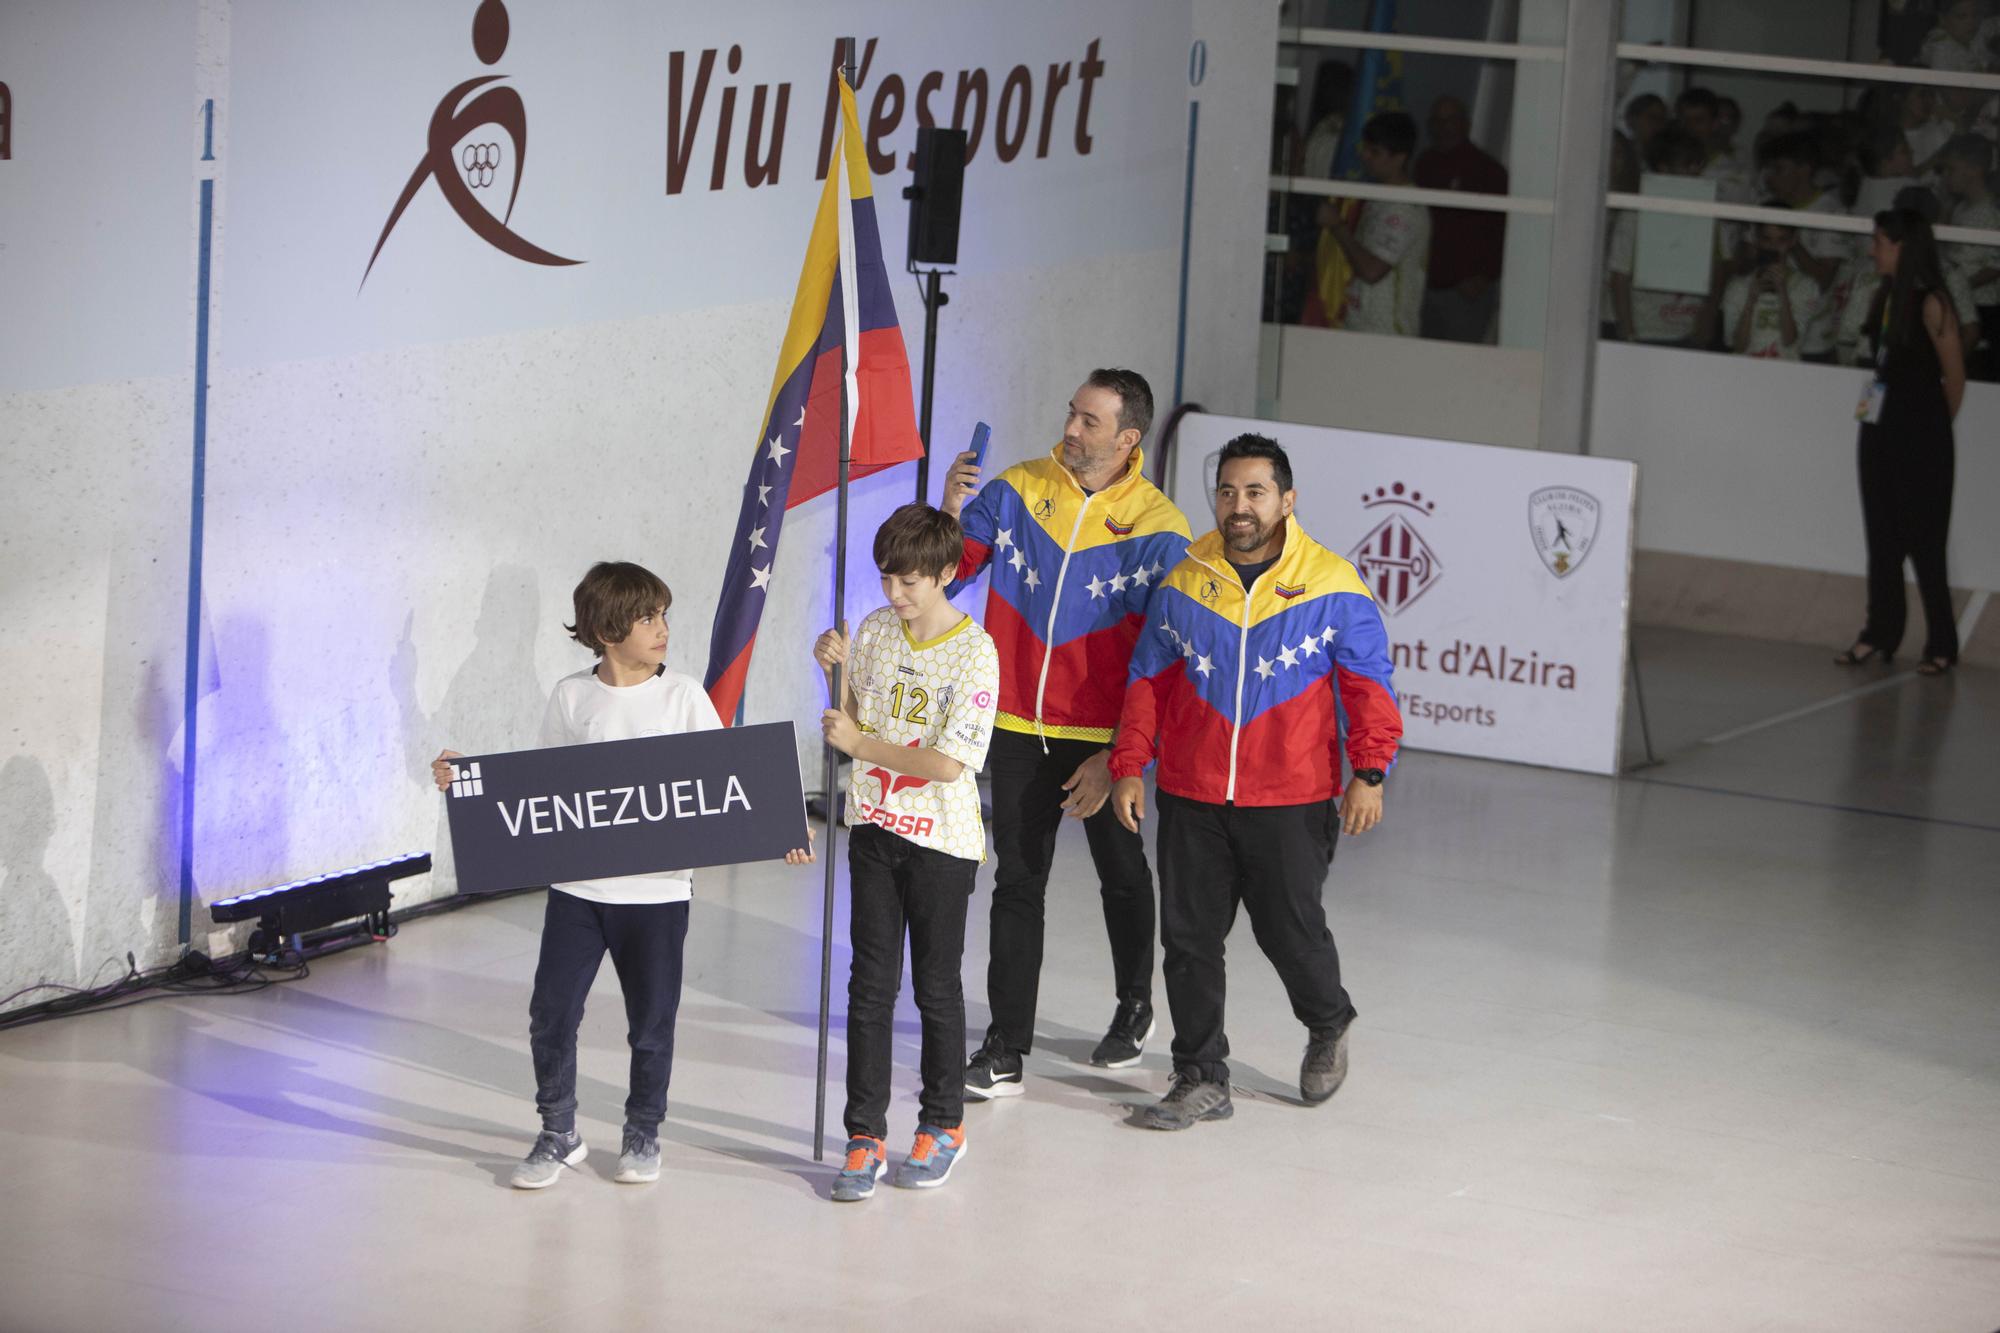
pixel 405 479
pixel 1739 459
pixel 1231 183
pixel 1750 460
pixel 1403 386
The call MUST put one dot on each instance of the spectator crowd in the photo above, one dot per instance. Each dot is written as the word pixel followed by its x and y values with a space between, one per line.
pixel 1797 293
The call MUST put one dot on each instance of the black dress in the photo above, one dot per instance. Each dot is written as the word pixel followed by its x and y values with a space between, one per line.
pixel 1906 463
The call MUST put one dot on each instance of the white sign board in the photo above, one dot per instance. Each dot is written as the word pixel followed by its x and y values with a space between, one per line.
pixel 1503 576
pixel 1673 253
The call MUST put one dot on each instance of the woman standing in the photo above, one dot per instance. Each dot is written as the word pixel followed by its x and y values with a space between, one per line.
pixel 1906 448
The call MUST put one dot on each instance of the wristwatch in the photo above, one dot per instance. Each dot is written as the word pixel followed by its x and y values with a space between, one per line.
pixel 1372 776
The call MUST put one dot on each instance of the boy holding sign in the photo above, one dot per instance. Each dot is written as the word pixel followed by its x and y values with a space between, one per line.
pixel 916 716
pixel 640 920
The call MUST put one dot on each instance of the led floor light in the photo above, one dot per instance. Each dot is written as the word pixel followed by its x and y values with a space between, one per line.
pixel 286 911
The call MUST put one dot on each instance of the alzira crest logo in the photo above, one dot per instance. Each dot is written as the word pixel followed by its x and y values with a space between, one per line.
pixel 1393 559
pixel 464 118
pixel 1563 522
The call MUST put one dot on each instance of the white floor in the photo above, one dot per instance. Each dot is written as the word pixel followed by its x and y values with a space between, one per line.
pixel 1713 1047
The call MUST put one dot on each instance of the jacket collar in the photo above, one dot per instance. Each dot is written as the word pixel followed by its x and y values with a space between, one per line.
pixel 1291 562
pixel 1134 473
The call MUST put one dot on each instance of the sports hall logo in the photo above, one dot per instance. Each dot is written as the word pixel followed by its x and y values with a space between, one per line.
pixel 1393 559
pixel 466 780
pixel 458 170
pixel 1563 522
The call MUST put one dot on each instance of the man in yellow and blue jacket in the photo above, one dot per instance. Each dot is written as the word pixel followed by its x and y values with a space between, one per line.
pixel 1077 542
pixel 1256 645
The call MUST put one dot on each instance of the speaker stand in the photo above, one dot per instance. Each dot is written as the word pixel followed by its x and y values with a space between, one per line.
pixel 934 300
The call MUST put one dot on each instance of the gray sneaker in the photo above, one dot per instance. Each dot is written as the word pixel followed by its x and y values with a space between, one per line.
pixel 638 1158
pixel 1324 1068
pixel 865 1165
pixel 544 1163
pixel 931 1160
pixel 1188 1101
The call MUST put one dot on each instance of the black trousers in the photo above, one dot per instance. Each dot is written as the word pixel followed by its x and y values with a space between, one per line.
pixel 893 886
pixel 1906 486
pixel 645 942
pixel 1027 812
pixel 1273 860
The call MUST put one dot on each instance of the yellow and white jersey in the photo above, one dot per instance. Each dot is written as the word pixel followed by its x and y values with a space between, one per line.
pixel 939 693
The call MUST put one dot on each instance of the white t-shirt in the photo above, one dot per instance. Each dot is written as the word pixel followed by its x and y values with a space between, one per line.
pixel 1927 138
pixel 1400 236
pixel 939 694
pixel 1939 51
pixel 1657 317
pixel 1817 336
pixel 1968 259
pixel 583 709
pixel 1767 325
pixel 1854 333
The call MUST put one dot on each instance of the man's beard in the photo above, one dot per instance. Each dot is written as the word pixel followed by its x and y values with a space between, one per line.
pixel 1245 539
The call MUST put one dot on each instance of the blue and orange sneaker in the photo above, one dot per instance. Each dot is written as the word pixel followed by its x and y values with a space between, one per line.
pixel 867 1159
pixel 931 1159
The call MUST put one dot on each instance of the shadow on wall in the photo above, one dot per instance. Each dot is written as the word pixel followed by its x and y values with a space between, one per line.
pixel 494 701
pixel 132 902
pixel 35 937
pixel 241 831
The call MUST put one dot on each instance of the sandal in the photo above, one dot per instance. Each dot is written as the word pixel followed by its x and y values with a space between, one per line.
pixel 1936 666
pixel 1862 653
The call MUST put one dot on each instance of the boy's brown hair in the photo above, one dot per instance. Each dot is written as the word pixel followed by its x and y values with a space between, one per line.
pixel 611 599
pixel 918 539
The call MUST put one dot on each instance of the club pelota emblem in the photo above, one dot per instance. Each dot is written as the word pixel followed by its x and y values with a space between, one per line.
pixel 1563 522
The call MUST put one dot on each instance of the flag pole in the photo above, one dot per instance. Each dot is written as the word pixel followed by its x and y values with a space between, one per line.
pixel 834 802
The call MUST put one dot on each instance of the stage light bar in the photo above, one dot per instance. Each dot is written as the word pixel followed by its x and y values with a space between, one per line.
pixel 323 900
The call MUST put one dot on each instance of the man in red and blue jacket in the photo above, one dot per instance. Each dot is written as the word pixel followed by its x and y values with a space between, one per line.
pixel 1255 646
pixel 1077 542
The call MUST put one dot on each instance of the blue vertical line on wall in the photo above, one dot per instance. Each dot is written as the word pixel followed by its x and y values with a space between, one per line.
pixel 191 683
pixel 1187 232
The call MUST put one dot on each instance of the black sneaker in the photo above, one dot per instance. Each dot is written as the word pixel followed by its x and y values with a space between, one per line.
pixel 1131 1028
pixel 1190 1100
pixel 993 1071
pixel 1324 1068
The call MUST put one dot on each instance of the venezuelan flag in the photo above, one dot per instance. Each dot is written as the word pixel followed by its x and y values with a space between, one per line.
pixel 843 318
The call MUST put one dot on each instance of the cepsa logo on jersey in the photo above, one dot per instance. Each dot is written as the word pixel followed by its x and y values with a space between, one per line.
pixel 905 825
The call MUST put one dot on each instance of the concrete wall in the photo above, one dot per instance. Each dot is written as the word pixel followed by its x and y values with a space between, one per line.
pixel 405 480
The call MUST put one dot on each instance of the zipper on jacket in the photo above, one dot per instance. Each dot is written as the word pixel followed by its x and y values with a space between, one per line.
pixel 1049 632
pixel 1242 662
pixel 1236 717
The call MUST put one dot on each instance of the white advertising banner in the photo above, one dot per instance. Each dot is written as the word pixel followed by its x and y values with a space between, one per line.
pixel 1503 576
pixel 381 176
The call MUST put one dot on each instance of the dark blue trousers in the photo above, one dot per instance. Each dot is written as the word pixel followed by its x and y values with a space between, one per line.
pixel 645 942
